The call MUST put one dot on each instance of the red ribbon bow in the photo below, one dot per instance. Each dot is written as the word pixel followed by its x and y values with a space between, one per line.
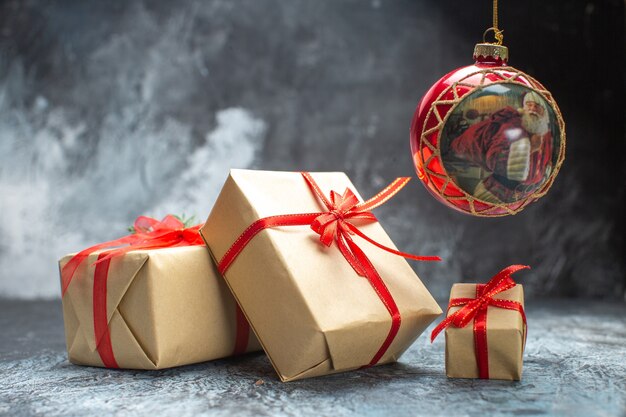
pixel 334 225
pixel 149 234
pixel 476 309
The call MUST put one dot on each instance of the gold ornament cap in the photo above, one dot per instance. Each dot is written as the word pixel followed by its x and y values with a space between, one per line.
pixel 491 51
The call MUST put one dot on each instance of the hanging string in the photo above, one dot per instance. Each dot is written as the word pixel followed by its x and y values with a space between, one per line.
pixel 495 15
pixel 497 33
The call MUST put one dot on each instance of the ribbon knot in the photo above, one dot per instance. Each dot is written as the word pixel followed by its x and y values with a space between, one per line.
pixel 331 225
pixel 334 225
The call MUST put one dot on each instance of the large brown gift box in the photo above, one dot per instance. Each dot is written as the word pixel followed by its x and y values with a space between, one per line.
pixel 311 312
pixel 165 307
pixel 506 335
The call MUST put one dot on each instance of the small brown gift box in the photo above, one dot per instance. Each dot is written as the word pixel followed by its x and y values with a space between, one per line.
pixel 506 336
pixel 164 308
pixel 310 310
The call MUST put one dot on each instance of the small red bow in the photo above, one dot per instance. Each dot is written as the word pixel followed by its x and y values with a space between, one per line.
pixel 476 309
pixel 149 233
pixel 333 225
pixel 500 282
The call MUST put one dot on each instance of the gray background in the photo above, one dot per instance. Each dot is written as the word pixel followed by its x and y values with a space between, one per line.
pixel 109 110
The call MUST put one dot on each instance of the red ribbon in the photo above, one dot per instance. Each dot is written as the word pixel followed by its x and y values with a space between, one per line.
pixel 149 233
pixel 100 322
pixel 476 309
pixel 334 225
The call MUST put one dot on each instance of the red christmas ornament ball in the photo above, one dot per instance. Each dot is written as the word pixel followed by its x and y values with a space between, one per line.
pixel 487 139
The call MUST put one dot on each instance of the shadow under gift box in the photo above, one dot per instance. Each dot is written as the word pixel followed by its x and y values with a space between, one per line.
pixel 310 310
pixel 506 335
pixel 165 307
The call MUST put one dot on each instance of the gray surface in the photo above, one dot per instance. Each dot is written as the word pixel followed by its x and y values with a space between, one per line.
pixel 574 366
pixel 113 109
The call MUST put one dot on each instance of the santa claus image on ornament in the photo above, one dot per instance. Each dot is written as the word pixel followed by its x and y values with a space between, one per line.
pixel 498 143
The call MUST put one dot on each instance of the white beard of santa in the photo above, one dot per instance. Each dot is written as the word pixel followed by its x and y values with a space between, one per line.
pixel 535 124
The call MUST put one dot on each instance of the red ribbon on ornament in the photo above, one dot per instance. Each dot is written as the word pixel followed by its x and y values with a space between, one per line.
pixel 476 309
pixel 149 233
pixel 333 226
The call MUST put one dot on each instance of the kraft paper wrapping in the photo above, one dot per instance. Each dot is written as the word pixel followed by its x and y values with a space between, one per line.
pixel 165 307
pixel 505 338
pixel 312 313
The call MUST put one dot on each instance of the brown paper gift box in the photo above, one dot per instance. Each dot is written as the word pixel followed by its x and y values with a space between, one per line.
pixel 312 313
pixel 165 307
pixel 506 335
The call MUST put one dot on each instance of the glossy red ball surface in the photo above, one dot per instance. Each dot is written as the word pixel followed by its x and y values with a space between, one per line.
pixel 445 105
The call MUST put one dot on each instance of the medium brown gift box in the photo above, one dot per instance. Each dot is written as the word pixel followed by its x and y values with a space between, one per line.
pixel 165 307
pixel 311 312
pixel 506 335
